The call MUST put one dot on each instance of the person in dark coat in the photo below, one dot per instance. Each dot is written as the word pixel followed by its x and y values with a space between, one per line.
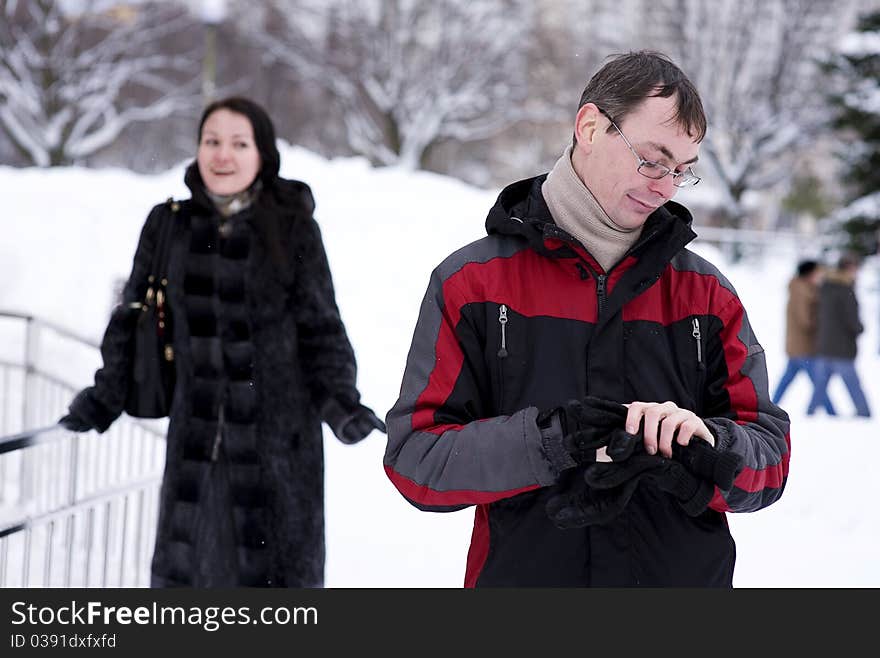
pixel 838 329
pixel 261 359
pixel 573 373
pixel 800 328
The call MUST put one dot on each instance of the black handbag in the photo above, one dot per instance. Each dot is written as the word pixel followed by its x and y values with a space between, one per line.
pixel 151 372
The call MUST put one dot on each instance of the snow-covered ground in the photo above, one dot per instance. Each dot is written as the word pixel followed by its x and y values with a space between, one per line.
pixel 69 236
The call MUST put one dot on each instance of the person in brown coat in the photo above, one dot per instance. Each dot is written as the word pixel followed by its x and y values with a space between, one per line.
pixel 800 328
pixel 837 332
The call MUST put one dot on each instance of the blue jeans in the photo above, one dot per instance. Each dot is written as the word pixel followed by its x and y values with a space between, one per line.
pixel 846 368
pixel 795 365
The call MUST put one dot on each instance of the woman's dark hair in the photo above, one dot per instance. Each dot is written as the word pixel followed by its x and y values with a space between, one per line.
pixel 628 79
pixel 264 134
pixel 268 204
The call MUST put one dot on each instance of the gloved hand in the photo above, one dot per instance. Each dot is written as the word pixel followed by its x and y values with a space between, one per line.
pixel 361 422
pixel 688 476
pixel 572 433
pixel 610 486
pixel 350 422
pixel 74 423
pixel 692 492
pixel 583 506
pixel 717 466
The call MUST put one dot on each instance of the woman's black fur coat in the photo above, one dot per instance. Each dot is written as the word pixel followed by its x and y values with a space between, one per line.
pixel 259 349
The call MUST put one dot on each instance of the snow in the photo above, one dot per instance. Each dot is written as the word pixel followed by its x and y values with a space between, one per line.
pixel 69 235
pixel 866 206
pixel 860 44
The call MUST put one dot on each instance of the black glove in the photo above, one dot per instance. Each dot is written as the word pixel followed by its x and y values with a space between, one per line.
pixel 717 466
pixel 689 477
pixel 693 493
pixel 583 506
pixel 572 433
pixel 610 486
pixel 350 421
pixel 74 423
pixel 358 427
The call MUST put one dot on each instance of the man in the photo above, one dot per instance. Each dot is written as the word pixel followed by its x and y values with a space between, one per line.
pixel 583 299
pixel 838 328
pixel 800 328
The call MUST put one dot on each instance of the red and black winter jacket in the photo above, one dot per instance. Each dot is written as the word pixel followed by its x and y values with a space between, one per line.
pixel 525 319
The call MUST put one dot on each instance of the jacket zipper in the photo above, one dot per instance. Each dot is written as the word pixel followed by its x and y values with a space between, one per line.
pixel 600 291
pixel 502 354
pixel 601 280
pixel 502 320
pixel 698 338
pixel 585 270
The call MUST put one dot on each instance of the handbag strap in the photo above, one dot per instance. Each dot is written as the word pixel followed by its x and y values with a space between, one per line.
pixel 162 252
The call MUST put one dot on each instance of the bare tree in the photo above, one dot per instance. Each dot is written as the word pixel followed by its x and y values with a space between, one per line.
pixel 406 74
pixel 70 83
pixel 756 64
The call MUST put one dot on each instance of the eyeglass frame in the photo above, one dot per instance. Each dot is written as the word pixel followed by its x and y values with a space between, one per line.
pixel 676 175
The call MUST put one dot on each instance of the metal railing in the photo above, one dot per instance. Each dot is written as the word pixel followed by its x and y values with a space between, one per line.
pixel 736 244
pixel 76 510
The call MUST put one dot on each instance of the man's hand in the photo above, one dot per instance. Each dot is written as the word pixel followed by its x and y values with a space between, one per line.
pixel 578 431
pixel 665 422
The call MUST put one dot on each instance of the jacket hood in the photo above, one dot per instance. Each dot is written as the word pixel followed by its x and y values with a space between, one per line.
pixel 520 209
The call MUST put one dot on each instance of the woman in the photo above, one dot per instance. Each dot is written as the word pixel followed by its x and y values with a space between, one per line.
pixel 261 358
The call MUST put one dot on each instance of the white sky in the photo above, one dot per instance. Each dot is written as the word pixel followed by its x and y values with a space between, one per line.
pixel 68 234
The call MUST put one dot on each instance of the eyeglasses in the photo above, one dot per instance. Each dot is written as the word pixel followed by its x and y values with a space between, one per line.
pixel 656 170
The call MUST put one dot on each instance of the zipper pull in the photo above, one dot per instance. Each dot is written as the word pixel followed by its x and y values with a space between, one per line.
pixel 697 337
pixel 502 320
pixel 600 291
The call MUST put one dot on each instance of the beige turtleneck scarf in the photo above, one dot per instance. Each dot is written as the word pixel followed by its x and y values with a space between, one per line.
pixel 230 204
pixel 576 211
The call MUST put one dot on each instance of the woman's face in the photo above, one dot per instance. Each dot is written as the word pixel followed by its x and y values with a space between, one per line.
pixel 228 158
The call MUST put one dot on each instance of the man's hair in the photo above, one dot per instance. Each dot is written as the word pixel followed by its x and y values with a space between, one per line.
pixel 806 267
pixel 628 79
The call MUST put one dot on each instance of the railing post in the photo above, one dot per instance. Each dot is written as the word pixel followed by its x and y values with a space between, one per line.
pixel 74 469
pixel 31 356
pixel 28 405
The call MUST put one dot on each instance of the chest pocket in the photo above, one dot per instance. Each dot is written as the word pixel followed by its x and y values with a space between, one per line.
pixel 698 325
pixel 533 360
pixel 689 336
pixel 506 357
pixel 668 362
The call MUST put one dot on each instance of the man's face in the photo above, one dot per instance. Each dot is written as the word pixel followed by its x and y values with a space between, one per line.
pixel 609 168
